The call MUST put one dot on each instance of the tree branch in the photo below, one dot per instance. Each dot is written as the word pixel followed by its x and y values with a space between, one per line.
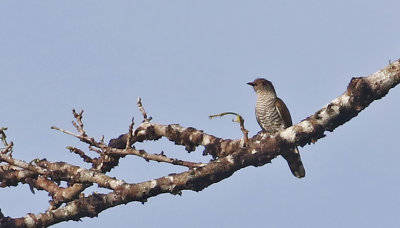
pixel 228 156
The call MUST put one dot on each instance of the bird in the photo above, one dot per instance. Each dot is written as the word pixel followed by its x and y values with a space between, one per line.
pixel 272 115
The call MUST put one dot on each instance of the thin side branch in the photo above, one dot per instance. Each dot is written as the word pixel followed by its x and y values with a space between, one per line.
pixel 141 109
pixel 3 136
pixel 238 119
pixel 78 124
pixel 130 134
pixel 154 157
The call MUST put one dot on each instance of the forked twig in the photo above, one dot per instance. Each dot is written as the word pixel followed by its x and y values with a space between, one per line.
pixel 79 124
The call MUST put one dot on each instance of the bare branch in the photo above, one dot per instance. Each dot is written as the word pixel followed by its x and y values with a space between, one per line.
pixel 229 156
pixel 360 92
pixel 130 134
pixel 3 136
pixel 82 154
pixel 22 164
pixel 141 109
pixel 8 148
pixel 11 175
pixel 154 157
pixel 82 137
pixel 78 124
pixel 76 174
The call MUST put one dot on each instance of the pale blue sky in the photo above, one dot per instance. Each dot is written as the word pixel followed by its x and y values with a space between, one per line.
pixel 190 59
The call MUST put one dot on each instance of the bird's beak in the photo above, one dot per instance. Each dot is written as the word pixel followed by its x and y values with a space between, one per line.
pixel 250 83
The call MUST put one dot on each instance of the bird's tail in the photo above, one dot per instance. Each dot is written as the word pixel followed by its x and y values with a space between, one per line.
pixel 294 161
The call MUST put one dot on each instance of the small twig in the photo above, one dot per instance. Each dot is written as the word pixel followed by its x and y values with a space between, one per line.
pixel 130 134
pixel 154 157
pixel 83 138
pixel 3 136
pixel 65 131
pixel 99 151
pixel 8 148
pixel 238 119
pixel 79 124
pixel 81 154
pixel 141 109
pixel 4 141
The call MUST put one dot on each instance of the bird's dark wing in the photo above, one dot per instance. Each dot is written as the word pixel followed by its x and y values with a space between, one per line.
pixel 283 112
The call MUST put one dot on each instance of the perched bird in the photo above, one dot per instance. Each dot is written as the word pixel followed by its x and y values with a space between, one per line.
pixel 272 116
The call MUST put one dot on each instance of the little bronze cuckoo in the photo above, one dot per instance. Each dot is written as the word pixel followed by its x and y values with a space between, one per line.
pixel 273 116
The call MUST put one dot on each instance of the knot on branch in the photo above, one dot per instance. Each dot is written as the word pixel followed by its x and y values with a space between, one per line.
pixel 361 93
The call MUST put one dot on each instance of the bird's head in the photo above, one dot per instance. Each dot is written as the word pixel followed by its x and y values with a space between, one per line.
pixel 262 85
